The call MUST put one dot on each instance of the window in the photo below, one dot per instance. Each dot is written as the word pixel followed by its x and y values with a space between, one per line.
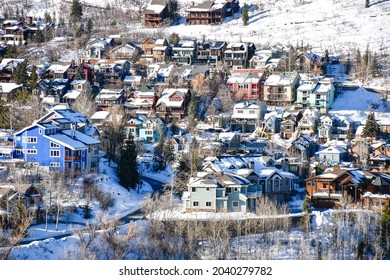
pixel 18 152
pixel 207 189
pixel 236 189
pixel 40 131
pixel 54 153
pixel 228 190
pixel 32 140
pixel 54 145
pixel 32 151
pixel 54 164
pixel 277 184
pixel 252 112
pixel 148 132
pixel 208 203
pixel 193 189
pixel 235 203
pixel 195 203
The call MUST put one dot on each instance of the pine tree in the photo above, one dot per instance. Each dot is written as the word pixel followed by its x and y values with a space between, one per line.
pixel 371 129
pixel 4 117
pixel 12 52
pixel 39 37
pixel 89 27
pixel 127 167
pixel 20 74
pixel 174 39
pixel 245 17
pixel 33 77
pixel 385 224
pixel 76 10
pixel 173 7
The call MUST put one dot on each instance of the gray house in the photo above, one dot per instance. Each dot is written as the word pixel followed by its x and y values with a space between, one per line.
pixel 332 155
pixel 219 192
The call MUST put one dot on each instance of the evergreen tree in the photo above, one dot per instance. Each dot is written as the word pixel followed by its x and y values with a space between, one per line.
pixel 76 11
pixel 4 117
pixel 12 52
pixel 89 27
pixel 385 224
pixel 371 129
pixel 127 167
pixel 20 74
pixel 33 77
pixel 39 36
pixel 18 216
pixel 172 8
pixel 22 95
pixel 174 39
pixel 245 17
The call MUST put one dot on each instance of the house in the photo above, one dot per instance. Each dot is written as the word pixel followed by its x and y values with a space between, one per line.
pixel 85 68
pixel 8 91
pixel 328 190
pixel 287 128
pixel 8 67
pixel 230 140
pixel 29 194
pixel 237 55
pixel 127 51
pixel 380 158
pixel 109 71
pixel 100 117
pixel 133 81
pixel 110 97
pixel 207 12
pixel 97 47
pixel 161 51
pixel 246 116
pixel 186 73
pixel 377 194
pixel 56 141
pixel 151 129
pixel 344 128
pixel 58 71
pixel 76 88
pixel 332 155
pixel 280 89
pixel 316 94
pixel 218 192
pixel 156 14
pixel 311 63
pixel 173 103
pixel 161 73
pixel 246 84
pixel 272 60
pixel 307 125
pixel 211 53
pixel 272 182
pixel 271 124
pixel 141 101
pixel 184 52
pixel 304 147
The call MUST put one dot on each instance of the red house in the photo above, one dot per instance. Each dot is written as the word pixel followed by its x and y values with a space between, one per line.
pixel 247 84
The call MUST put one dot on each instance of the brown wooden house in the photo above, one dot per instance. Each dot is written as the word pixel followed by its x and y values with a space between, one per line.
pixel 173 103
pixel 330 189
pixel 156 14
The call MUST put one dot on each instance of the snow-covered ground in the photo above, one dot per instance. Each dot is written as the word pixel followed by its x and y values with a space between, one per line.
pixel 338 26
pixel 356 104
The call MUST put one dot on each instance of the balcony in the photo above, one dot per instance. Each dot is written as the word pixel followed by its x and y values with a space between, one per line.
pixel 72 158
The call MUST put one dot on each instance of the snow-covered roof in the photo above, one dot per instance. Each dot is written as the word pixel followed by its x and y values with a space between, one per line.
pixel 100 115
pixel 8 87
pixel 66 141
pixel 77 135
pixel 72 94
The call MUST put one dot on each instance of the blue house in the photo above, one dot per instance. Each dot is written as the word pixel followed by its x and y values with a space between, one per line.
pixel 57 144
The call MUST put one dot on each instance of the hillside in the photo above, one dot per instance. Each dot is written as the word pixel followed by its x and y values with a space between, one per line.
pixel 338 26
